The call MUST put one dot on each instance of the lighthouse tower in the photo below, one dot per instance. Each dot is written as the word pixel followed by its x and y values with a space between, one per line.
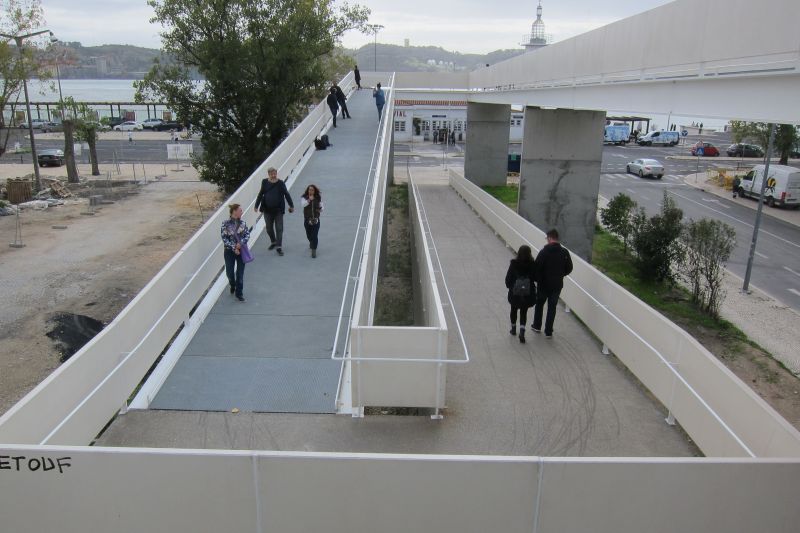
pixel 537 37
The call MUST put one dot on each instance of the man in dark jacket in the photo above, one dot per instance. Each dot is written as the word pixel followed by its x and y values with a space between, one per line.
pixel 342 99
pixel 552 264
pixel 333 103
pixel 271 201
pixel 357 74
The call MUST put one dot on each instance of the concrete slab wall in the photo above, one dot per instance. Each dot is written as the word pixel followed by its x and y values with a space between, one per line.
pixel 486 155
pixel 560 173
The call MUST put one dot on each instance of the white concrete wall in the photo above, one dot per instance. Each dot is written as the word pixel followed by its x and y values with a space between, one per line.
pixel 188 491
pixel 723 416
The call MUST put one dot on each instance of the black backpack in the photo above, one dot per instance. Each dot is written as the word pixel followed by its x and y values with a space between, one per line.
pixel 521 288
pixel 319 145
pixel 326 141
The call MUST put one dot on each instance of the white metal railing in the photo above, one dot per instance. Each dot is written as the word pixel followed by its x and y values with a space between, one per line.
pixel 74 403
pixel 721 414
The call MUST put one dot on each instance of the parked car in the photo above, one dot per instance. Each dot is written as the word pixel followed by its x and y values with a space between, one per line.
pixel 50 156
pixel 646 167
pixel 129 126
pixel 37 123
pixel 744 150
pixel 617 134
pixel 152 123
pixel 782 188
pixel 704 149
pixel 112 121
pixel 167 125
pixel 48 127
pixel 666 138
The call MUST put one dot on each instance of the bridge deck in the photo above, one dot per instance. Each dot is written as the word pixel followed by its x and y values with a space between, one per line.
pixel 273 352
pixel 558 397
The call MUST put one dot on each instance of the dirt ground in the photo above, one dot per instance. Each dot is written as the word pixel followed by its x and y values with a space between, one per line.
pixel 93 268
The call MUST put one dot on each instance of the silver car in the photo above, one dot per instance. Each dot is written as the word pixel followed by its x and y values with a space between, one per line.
pixel 646 167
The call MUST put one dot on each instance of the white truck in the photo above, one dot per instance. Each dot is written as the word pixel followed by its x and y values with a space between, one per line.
pixel 664 138
pixel 782 189
pixel 617 134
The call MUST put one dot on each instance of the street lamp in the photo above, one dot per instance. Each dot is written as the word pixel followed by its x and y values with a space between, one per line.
pixel 53 40
pixel 374 29
pixel 18 40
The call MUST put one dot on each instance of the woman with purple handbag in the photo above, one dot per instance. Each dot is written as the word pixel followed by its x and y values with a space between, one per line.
pixel 235 235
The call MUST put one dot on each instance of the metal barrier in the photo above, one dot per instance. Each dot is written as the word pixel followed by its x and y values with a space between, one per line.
pixel 74 403
pixel 721 414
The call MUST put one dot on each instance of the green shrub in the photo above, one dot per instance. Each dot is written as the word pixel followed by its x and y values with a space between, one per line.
pixel 618 217
pixel 655 241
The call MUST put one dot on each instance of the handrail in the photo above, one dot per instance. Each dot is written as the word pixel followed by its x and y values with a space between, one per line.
pixel 571 281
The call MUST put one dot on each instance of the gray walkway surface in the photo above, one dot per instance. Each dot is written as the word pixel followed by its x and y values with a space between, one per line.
pixel 558 397
pixel 272 353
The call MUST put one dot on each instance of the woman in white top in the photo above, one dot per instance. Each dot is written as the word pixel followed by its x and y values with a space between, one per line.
pixel 311 202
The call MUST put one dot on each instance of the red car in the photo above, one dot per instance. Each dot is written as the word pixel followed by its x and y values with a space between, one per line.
pixel 705 149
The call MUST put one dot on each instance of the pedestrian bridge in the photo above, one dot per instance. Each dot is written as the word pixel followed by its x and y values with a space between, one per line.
pixel 139 428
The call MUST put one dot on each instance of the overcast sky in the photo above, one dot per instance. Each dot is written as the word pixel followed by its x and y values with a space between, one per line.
pixel 476 26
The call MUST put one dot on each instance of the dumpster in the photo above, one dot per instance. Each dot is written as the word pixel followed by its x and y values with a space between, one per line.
pixel 19 190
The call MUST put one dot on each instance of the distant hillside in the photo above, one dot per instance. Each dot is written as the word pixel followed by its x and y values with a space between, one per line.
pixel 116 61
pixel 424 58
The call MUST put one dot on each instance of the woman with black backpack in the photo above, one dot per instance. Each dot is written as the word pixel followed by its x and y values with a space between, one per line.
pixel 521 289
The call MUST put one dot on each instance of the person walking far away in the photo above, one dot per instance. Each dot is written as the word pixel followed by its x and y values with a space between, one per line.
pixel 700 130
pixel 271 201
pixel 521 289
pixel 342 99
pixel 552 263
pixel 311 202
pixel 380 99
pixel 737 182
pixel 357 74
pixel 333 104
pixel 130 136
pixel 235 234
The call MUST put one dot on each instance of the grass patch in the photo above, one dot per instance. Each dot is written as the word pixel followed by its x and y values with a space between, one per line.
pixel 508 194
pixel 394 293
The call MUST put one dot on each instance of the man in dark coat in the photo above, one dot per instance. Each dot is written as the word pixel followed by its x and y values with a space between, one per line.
pixel 333 103
pixel 552 264
pixel 271 201
pixel 342 100
pixel 358 77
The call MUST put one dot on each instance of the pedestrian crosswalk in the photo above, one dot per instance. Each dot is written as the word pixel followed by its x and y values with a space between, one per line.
pixel 622 176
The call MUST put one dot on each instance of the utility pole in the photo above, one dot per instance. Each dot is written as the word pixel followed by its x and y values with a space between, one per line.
pixel 374 29
pixel 18 40
pixel 764 178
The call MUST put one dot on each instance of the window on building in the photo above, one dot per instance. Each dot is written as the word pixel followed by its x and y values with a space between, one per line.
pixel 400 125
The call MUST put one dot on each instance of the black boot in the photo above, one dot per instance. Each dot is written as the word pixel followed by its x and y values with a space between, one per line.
pixel 521 335
pixel 513 329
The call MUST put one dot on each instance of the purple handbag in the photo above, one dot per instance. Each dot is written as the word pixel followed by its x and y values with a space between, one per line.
pixel 244 250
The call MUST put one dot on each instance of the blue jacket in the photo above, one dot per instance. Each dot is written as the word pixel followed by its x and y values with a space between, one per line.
pixel 380 98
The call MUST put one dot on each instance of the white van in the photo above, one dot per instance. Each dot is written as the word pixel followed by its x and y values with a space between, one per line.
pixel 665 138
pixel 783 185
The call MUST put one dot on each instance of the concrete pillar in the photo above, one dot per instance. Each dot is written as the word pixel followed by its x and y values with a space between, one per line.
pixel 562 150
pixel 486 155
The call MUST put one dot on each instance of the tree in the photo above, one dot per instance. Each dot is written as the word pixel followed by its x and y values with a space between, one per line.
pixel 17 17
pixel 655 241
pixel 263 63
pixel 618 217
pixel 786 136
pixel 708 245
pixel 85 125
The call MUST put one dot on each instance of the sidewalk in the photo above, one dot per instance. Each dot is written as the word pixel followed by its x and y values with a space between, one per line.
pixel 711 185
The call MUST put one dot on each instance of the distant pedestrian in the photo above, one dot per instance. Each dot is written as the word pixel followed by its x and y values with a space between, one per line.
pixel 271 201
pixel 342 100
pixel 380 100
pixel 235 235
pixel 130 136
pixel 700 132
pixel 737 182
pixel 520 282
pixel 311 201
pixel 333 104
pixel 358 77
pixel 552 264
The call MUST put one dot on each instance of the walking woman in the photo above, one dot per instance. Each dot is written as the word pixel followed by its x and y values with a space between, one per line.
pixel 235 234
pixel 311 200
pixel 521 289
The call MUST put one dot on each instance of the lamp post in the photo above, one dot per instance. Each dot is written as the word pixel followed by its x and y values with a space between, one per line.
pixel 54 39
pixel 374 29
pixel 18 40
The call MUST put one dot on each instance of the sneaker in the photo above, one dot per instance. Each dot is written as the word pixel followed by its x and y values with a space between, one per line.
pixel 522 336
pixel 272 246
pixel 233 289
pixel 313 253
pixel 241 298
pixel 280 251
pixel 513 329
pixel 537 330
pixel 548 335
